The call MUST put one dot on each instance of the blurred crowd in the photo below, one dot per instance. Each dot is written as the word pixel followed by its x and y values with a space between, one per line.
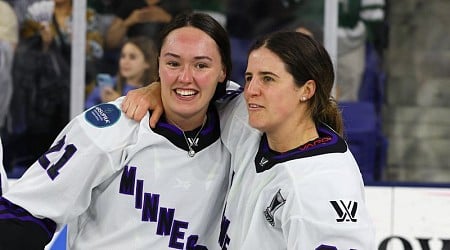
pixel 35 47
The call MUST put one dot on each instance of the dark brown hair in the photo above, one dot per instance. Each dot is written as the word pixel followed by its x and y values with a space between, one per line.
pixel 148 48
pixel 306 59
pixel 211 27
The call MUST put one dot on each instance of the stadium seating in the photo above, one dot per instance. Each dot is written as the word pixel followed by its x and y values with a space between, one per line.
pixel 360 131
pixel 363 120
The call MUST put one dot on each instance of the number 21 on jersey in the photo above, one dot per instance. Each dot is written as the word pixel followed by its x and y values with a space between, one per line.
pixel 52 169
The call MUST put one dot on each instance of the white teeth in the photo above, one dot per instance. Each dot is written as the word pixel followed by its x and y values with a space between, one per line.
pixel 185 92
pixel 253 106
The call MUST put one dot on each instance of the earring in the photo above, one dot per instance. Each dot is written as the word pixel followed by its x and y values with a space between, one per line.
pixel 303 98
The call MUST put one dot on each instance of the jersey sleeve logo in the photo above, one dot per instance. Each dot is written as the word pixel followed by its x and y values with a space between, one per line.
pixel 345 212
pixel 103 115
pixel 277 202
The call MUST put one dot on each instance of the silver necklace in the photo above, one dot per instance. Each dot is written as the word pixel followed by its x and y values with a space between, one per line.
pixel 192 141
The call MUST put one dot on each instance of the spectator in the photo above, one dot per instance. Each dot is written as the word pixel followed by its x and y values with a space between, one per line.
pixel 59 34
pixel 41 76
pixel 141 18
pixel 214 8
pixel 8 42
pixel 360 22
pixel 249 19
pixel 20 8
pixel 137 68
pixel 9 27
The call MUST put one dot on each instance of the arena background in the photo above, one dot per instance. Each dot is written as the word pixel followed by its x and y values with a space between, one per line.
pixel 407 215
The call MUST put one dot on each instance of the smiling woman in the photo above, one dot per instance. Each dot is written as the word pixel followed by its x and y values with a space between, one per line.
pixel 118 183
pixel 189 76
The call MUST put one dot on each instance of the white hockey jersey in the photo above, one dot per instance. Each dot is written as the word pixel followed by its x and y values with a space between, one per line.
pixel 311 197
pixel 3 177
pixel 119 184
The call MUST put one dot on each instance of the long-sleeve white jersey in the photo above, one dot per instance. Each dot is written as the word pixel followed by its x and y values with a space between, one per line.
pixel 119 184
pixel 311 197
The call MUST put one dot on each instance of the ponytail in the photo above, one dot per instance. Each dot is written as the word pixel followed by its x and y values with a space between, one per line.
pixel 330 114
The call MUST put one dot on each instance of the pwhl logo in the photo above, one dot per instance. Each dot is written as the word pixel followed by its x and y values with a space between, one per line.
pixel 277 201
pixel 345 212
pixel 193 141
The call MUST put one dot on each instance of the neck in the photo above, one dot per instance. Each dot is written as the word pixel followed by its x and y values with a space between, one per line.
pixel 186 124
pixel 284 139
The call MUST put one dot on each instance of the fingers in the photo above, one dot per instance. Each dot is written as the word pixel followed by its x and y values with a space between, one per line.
pixel 129 105
pixel 140 110
pixel 156 114
pixel 125 104
pixel 130 111
pixel 128 108
pixel 134 110
pixel 137 102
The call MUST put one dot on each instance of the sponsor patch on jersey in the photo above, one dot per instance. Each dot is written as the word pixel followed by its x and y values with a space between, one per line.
pixel 103 115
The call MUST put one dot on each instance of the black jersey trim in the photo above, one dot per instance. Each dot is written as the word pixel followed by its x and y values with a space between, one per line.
pixel 209 134
pixel 18 223
pixel 328 142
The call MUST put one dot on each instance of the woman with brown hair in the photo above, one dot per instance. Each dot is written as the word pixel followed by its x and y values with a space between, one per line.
pixel 137 68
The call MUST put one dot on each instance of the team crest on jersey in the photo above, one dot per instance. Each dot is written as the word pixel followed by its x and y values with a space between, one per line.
pixel 103 115
pixel 277 202
pixel 345 211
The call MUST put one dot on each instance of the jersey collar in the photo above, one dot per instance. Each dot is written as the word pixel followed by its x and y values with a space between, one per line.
pixel 328 142
pixel 209 134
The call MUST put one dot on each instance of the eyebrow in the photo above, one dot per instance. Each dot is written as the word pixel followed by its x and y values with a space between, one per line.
pixel 196 57
pixel 263 73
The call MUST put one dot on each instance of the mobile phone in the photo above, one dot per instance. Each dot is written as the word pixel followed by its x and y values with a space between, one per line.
pixel 104 80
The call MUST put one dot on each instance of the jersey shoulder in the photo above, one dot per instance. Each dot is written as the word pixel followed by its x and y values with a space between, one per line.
pixel 107 126
pixel 335 173
pixel 232 90
pixel 235 129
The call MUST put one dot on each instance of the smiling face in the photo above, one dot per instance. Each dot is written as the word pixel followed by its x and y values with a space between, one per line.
pixel 132 64
pixel 272 96
pixel 190 68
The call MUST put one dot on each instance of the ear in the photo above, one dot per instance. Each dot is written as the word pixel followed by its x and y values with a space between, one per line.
pixel 222 75
pixel 307 90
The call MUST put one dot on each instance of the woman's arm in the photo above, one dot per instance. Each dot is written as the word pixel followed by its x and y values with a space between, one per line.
pixel 21 230
pixel 138 101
